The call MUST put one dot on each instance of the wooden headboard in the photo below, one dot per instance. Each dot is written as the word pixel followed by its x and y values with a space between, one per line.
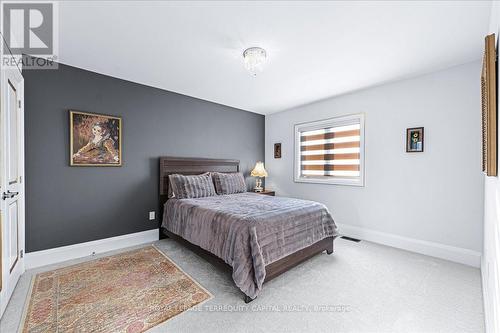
pixel 191 166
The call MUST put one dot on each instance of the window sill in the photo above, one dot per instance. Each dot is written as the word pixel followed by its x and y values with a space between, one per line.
pixel 340 181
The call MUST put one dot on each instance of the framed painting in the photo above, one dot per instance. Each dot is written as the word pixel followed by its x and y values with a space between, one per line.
pixel 277 150
pixel 489 107
pixel 95 139
pixel 415 140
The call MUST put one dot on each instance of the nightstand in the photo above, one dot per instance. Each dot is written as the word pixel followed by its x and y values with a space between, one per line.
pixel 267 192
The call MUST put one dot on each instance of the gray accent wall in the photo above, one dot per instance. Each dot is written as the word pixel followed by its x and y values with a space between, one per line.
pixel 68 205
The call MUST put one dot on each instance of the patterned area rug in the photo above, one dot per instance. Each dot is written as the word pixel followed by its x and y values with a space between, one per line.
pixel 127 292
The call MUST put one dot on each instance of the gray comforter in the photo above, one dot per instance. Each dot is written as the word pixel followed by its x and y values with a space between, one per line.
pixel 249 231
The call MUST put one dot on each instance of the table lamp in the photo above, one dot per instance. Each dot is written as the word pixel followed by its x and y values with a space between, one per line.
pixel 259 172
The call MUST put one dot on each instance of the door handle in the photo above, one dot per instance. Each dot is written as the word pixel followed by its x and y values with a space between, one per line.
pixel 9 195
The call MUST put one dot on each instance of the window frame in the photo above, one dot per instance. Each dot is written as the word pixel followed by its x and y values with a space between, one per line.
pixel 320 124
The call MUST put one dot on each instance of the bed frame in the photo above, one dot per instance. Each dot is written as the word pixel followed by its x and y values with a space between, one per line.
pixel 193 166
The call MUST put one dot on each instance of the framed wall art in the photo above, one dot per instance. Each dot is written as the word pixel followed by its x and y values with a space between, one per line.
pixel 415 140
pixel 277 150
pixel 95 139
pixel 489 107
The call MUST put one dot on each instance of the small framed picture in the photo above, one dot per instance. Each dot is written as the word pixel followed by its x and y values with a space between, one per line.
pixel 415 140
pixel 277 150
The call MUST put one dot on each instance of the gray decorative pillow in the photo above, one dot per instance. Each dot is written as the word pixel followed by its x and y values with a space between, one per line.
pixel 229 183
pixel 197 186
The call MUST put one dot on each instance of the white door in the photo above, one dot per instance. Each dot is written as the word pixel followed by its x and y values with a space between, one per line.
pixel 11 181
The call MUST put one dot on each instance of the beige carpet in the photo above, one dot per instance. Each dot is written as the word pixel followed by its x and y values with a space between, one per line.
pixel 385 290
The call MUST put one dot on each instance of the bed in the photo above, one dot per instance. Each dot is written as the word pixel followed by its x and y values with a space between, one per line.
pixel 257 236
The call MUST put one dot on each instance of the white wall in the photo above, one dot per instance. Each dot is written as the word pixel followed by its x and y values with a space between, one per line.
pixel 490 265
pixel 429 202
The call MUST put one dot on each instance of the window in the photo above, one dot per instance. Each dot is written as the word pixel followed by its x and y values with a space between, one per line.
pixel 330 151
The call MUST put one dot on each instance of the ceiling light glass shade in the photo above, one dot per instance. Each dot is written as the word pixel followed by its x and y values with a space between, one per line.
pixel 254 59
pixel 258 170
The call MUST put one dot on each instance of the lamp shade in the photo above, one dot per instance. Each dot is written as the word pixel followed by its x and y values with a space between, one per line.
pixel 258 170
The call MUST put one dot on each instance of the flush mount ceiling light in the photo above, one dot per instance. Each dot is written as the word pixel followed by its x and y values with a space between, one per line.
pixel 254 58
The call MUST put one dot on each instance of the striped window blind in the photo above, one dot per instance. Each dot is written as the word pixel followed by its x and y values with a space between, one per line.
pixel 330 151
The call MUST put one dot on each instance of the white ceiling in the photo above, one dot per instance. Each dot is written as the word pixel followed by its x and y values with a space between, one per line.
pixel 315 49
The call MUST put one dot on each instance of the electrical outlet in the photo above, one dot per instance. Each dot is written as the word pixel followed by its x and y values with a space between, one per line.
pixel 152 215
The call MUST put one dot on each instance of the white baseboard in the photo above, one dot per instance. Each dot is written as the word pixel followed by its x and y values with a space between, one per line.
pixel 491 297
pixel 63 253
pixel 447 252
pixel 486 300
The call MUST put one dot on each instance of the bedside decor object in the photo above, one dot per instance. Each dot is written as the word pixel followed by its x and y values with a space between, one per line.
pixel 489 107
pixel 95 139
pixel 277 150
pixel 259 172
pixel 415 140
